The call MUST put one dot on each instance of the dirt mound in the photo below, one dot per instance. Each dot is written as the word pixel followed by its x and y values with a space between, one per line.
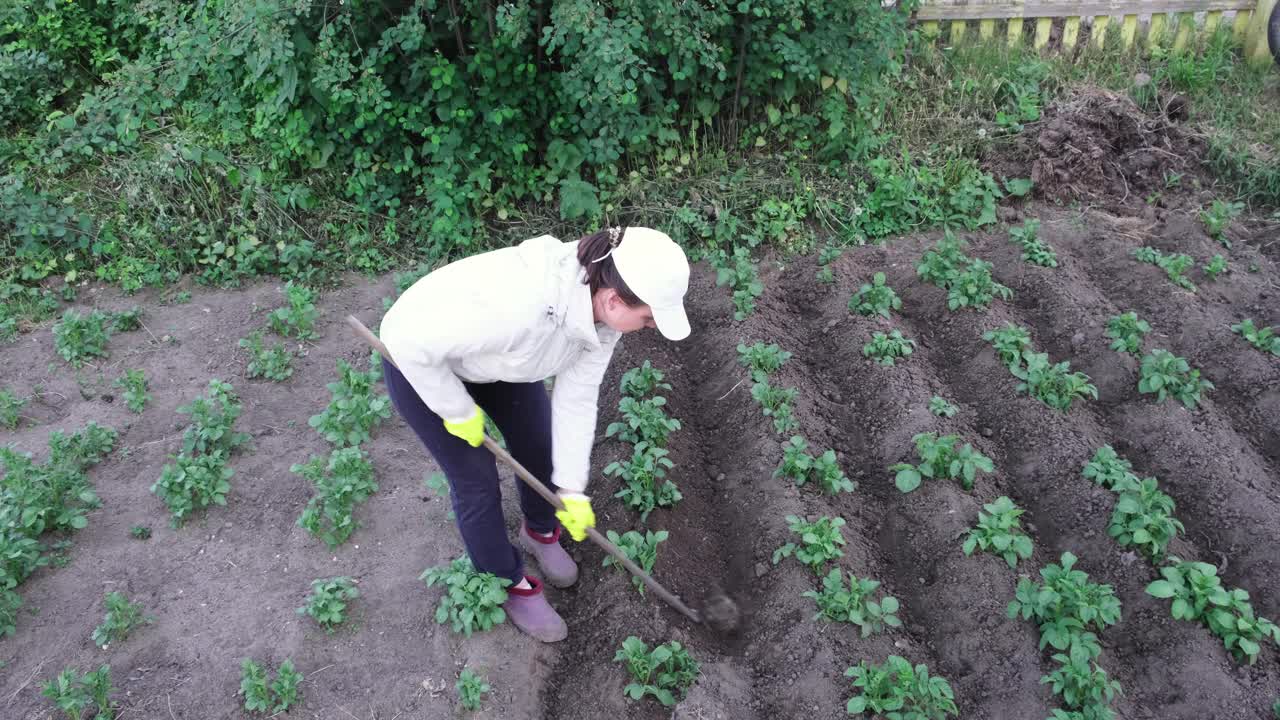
pixel 1102 146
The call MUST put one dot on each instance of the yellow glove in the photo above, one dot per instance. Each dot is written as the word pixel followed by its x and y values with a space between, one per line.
pixel 576 516
pixel 471 429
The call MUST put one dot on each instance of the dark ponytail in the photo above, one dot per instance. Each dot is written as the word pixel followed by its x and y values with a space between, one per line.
pixel 604 274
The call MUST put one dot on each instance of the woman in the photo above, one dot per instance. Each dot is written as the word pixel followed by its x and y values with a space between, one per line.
pixel 481 334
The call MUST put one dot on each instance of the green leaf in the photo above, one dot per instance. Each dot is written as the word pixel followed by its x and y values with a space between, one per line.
pixel 1161 589
pixel 1018 187
pixel 578 199
pixel 907 480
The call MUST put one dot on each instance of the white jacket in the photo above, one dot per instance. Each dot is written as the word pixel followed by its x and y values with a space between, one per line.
pixel 518 314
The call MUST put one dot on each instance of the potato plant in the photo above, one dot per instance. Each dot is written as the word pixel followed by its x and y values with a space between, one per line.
pixel 875 298
pixel 1082 683
pixel 666 672
pixel 1167 375
pixel 828 255
pixel 739 273
pixel 644 487
pixel 940 407
pixel 133 385
pixel 639 382
pixel 820 542
pixel 341 482
pixel 643 421
pixel 1009 342
pixel 941 458
pixel 1110 470
pixel 121 619
pixel 639 549
pixel 1265 339
pixel 1175 266
pixel 999 531
pixel 74 694
pixel 776 402
pixel 1034 250
pixel 354 410
pixel 1126 332
pixel 1052 384
pixel 1198 595
pixel 898 689
pixel 762 360
pixel 1143 516
pixel 327 603
pixel 274 363
pixel 1218 216
pixel 472 600
pixel 471 689
pixel 10 408
pixel 199 476
pixel 1066 605
pixel 297 319
pixel 1215 267
pixel 853 603
pixel 801 467
pixel 275 696
pixel 968 281
pixel 887 349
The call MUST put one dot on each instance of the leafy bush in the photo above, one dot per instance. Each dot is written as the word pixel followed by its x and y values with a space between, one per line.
pixel 1168 375
pixel 643 421
pixel 1265 339
pixel 74 693
pixel 1175 266
pixel 1009 343
pixel 641 381
pixel 1144 517
pixel 940 407
pixel 10 408
pixel 1198 595
pixel 940 458
pixel 885 349
pixel 820 542
pixel 762 360
pixel 898 689
pixel 121 618
pixel 776 402
pixel 641 490
pixel 1126 332
pixel 353 410
pixel 853 604
pixel 1054 385
pixel 134 385
pixel 298 318
pixel 1034 250
pixel 662 672
pixel 1218 216
pixel 739 273
pixel 275 697
pixel 875 298
pixel 341 483
pixel 472 600
pixel 640 549
pixel 471 689
pixel 275 363
pixel 327 603
pixel 199 476
pixel 1066 605
pixel 999 531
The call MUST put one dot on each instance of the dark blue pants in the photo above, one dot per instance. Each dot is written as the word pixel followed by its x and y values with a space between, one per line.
pixel 522 411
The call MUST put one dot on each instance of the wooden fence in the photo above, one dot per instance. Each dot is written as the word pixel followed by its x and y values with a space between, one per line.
pixel 1174 23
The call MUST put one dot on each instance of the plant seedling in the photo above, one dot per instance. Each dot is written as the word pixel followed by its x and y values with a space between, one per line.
pixel 776 403
pixel 1066 604
pixel 762 360
pixel 662 672
pixel 121 619
pixel 274 363
pixel 78 337
pixel 1053 385
pixel 641 490
pixel 643 421
pixel 641 381
pixel 875 298
pixel 1009 342
pixel 341 483
pixel 820 542
pixel 1168 375
pixel 1144 517
pixel 1175 266
pixel 1110 470
pixel 1126 332
pixel 298 318
pixel 1265 339
pixel 828 255
pixel 1218 216
pixel 275 697
pixel 10 408
pixel 1197 594
pixel 74 694
pixel 640 549
pixel 827 473
pixel 940 458
pixel 471 689
pixel 853 604
pixel 739 273
pixel 472 600
pixel 134 385
pixel 896 689
pixel 327 603
pixel 940 407
pixel 140 532
pixel 1215 267
pixel 886 349
pixel 999 531
pixel 1034 250
pixel 353 411
pixel 796 460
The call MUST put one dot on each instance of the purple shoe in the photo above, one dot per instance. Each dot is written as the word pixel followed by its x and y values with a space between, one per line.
pixel 556 564
pixel 531 612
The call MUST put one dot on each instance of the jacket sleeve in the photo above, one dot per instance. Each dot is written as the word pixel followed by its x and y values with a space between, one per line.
pixel 574 406
pixel 422 339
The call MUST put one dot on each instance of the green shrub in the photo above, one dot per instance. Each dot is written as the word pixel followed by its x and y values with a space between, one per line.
pixel 327 603
pixel 342 482
pixel 897 688
pixel 662 672
pixel 121 618
pixel 353 410
pixel 472 600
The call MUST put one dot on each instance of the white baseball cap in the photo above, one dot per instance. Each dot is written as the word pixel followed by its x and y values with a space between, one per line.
pixel 657 271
